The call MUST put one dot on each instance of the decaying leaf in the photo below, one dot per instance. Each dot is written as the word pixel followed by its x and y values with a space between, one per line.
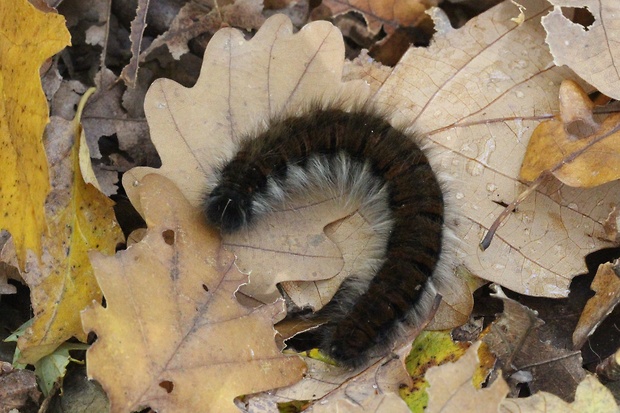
pixel 609 369
pixel 105 116
pixel 389 14
pixel 591 397
pixel 18 388
pixel 80 218
pixel 49 369
pixel 478 92
pixel 27 38
pixel 573 147
pixel 452 389
pixel 195 19
pixel 591 52
pixel 525 358
pixel 432 349
pixel 129 74
pixel 606 285
pixel 172 320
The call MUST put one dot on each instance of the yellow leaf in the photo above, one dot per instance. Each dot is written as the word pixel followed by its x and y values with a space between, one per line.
pixel 573 147
pixel 172 319
pixel 27 38
pixel 435 349
pixel 80 219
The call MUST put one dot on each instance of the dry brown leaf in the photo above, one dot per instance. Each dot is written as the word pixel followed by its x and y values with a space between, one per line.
pixel 593 53
pixel 389 14
pixel 525 357
pixel 609 369
pixel 270 256
pixel 591 397
pixel 172 319
pixel 452 389
pixel 104 116
pixel 478 92
pixel 606 285
pixel 18 388
pixel 573 146
pixel 129 74
pixel 195 19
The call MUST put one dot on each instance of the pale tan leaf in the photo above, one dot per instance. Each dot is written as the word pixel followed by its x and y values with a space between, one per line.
pixel 591 397
pixel 452 389
pixel 478 92
pixel 593 53
pixel 194 129
pixel 172 320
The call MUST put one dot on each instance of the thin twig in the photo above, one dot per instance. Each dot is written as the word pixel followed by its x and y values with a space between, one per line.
pixel 486 242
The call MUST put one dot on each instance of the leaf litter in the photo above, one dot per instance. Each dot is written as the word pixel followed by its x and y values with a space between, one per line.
pixel 484 97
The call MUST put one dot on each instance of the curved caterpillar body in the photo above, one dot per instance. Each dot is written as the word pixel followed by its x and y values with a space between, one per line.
pixel 349 151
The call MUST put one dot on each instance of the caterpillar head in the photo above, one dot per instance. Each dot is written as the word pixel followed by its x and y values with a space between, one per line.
pixel 228 209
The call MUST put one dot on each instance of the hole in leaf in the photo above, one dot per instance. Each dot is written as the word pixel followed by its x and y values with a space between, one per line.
pixel 579 15
pixel 204 287
pixel 167 385
pixel 168 236
pixel 500 203
pixel 524 390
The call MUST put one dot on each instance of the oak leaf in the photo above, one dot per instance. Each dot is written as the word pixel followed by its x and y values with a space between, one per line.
pixel 172 320
pixel 27 38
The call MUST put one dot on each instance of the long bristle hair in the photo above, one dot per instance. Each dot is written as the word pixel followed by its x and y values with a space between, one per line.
pixel 381 167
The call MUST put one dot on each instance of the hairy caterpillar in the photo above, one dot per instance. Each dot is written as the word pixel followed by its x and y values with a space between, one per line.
pixel 355 151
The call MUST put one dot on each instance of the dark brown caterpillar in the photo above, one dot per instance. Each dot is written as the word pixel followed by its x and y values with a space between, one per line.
pixel 364 314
